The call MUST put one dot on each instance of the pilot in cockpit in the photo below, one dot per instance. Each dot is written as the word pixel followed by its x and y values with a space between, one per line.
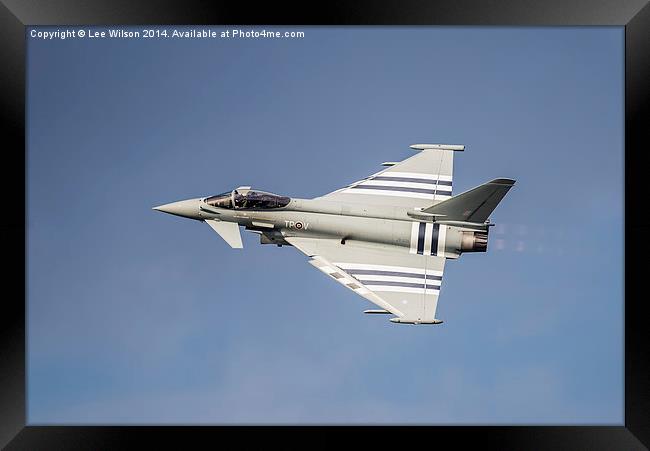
pixel 248 199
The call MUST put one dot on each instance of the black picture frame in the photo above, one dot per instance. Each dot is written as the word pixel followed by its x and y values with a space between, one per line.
pixel 16 15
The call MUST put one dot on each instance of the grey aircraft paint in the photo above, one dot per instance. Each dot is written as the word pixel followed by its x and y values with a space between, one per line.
pixel 386 237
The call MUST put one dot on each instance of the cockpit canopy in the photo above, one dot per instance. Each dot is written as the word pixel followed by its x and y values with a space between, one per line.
pixel 245 198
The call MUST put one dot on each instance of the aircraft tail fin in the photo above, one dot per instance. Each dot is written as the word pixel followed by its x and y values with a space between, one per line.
pixel 474 205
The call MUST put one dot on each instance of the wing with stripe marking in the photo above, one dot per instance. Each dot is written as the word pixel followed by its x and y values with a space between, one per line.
pixel 405 284
pixel 419 181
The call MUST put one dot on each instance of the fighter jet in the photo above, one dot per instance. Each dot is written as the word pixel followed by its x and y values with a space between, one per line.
pixel 386 237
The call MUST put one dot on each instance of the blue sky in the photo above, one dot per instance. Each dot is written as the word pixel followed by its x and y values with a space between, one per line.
pixel 139 317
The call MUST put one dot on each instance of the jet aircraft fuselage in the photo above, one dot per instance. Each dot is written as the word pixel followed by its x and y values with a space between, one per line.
pixel 386 237
pixel 343 221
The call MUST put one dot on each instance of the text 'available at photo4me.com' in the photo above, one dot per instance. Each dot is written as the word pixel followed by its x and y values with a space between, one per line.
pixel 163 33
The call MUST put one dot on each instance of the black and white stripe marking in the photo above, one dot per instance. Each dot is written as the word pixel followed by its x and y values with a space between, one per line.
pixel 395 278
pixel 428 239
pixel 404 184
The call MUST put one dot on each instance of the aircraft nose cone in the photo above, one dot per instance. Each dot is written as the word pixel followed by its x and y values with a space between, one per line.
pixel 185 208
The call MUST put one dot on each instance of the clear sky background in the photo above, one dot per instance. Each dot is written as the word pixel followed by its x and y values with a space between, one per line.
pixel 140 317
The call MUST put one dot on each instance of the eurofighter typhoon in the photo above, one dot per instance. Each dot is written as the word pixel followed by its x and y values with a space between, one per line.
pixel 385 237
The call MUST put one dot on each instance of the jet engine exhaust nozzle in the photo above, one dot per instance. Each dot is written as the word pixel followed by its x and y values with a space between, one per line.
pixel 474 242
